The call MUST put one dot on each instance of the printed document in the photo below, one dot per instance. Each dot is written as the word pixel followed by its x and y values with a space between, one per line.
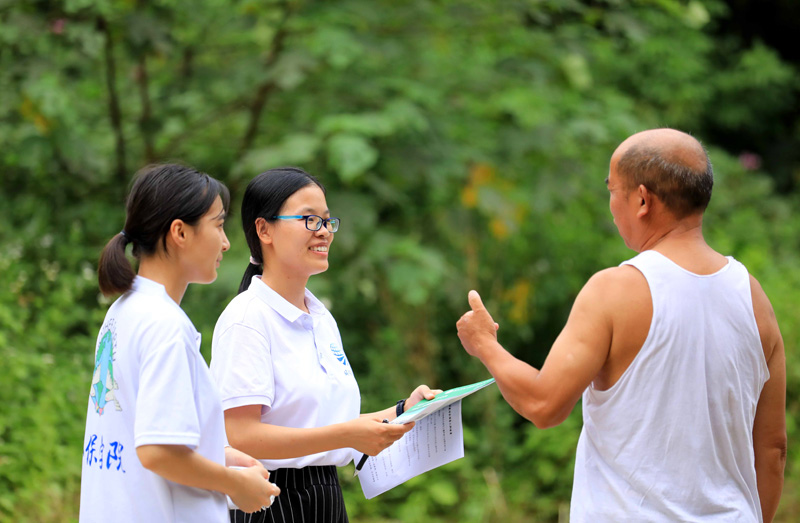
pixel 436 439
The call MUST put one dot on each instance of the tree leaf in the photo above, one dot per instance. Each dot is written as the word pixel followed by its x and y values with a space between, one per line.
pixel 295 149
pixel 351 155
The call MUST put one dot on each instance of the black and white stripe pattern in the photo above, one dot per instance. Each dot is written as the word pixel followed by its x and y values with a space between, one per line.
pixel 308 495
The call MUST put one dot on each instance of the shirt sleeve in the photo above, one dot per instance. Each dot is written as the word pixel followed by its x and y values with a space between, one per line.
pixel 166 410
pixel 242 367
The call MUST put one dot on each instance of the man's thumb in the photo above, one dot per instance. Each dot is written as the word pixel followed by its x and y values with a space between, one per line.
pixel 475 301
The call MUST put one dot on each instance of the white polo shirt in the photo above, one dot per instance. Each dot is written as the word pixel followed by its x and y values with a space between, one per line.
pixel 150 385
pixel 267 352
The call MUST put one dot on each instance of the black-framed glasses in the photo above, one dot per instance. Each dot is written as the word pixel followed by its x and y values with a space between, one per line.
pixel 313 222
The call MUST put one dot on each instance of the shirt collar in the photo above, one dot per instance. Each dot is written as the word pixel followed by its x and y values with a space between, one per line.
pixel 153 288
pixel 280 305
pixel 147 286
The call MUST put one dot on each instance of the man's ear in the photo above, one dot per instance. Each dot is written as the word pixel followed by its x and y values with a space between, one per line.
pixel 264 230
pixel 645 201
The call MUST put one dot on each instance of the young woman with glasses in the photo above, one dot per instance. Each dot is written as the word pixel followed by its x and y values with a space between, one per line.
pixel 155 447
pixel 288 390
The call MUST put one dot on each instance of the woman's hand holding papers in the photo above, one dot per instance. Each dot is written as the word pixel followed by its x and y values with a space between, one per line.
pixel 423 392
pixel 369 435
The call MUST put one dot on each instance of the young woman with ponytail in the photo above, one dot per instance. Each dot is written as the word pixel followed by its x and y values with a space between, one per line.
pixel 288 390
pixel 155 447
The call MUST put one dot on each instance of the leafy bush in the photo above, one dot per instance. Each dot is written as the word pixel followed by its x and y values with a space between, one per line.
pixel 464 144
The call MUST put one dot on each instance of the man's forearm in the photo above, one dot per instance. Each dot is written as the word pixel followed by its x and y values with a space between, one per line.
pixel 769 475
pixel 517 381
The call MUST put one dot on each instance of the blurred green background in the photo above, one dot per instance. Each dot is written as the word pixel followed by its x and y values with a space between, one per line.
pixel 464 144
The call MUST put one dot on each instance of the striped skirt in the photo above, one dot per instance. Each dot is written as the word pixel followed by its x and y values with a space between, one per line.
pixel 308 495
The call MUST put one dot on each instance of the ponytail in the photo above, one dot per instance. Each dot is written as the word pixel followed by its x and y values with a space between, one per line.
pixel 114 272
pixel 252 270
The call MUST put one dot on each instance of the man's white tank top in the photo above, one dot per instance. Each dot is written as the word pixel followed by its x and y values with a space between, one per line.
pixel 672 440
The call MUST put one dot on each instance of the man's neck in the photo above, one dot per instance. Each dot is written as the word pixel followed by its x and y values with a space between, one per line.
pixel 682 233
pixel 687 247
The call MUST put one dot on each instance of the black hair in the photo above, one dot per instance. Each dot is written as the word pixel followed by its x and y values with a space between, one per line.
pixel 264 198
pixel 683 189
pixel 160 195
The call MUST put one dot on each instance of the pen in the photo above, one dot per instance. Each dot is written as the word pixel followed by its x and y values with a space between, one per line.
pixel 364 458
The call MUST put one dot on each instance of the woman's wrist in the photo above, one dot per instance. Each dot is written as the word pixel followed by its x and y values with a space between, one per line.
pixel 341 434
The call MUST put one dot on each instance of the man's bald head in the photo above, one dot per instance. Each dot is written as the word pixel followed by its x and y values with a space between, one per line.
pixel 671 164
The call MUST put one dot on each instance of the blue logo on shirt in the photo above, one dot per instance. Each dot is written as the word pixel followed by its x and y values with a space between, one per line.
pixel 103 382
pixel 339 353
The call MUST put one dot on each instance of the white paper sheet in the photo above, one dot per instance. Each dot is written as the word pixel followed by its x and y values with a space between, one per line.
pixel 435 440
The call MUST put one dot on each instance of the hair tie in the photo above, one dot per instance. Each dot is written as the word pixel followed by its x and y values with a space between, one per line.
pixel 253 261
pixel 125 235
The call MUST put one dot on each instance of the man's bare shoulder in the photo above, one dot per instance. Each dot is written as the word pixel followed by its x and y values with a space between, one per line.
pixel 616 292
pixel 622 281
pixel 765 317
pixel 758 292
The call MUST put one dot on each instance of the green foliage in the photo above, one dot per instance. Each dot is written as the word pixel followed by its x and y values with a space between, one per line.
pixel 464 144
pixel 48 300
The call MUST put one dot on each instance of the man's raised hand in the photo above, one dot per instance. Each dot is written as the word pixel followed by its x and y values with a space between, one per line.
pixel 476 327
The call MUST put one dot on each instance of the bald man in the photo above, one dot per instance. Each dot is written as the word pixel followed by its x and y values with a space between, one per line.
pixel 676 352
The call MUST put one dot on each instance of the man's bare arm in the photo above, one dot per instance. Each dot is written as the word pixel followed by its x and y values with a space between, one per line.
pixel 547 396
pixel 769 428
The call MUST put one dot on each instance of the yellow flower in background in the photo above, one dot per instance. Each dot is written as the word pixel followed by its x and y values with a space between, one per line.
pixel 499 228
pixel 480 174
pixel 29 112
pixel 519 295
pixel 469 197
